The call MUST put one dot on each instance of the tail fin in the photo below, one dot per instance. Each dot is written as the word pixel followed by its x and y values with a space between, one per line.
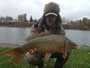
pixel 17 53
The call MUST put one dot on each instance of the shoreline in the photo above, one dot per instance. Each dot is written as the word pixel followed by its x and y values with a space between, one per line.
pixel 4 45
pixel 74 27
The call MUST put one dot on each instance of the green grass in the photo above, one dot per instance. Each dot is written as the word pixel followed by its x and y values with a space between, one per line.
pixel 78 59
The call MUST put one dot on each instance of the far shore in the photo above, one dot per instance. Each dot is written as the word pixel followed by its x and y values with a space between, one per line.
pixel 29 25
pixel 4 45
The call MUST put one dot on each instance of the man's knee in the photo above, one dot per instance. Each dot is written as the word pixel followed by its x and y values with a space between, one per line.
pixel 59 62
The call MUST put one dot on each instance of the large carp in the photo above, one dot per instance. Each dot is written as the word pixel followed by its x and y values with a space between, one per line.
pixel 47 44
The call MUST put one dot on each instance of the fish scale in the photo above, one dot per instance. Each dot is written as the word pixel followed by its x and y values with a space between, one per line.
pixel 45 44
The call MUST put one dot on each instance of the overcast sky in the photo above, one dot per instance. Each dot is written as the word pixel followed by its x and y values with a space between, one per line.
pixel 70 9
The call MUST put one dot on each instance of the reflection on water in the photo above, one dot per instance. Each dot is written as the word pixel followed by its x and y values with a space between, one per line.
pixel 13 35
pixel 18 35
pixel 79 37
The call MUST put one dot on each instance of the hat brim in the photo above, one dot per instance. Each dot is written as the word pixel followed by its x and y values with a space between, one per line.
pixel 47 14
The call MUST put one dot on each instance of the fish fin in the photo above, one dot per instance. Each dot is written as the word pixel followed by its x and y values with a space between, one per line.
pixel 47 56
pixel 17 59
pixel 10 53
pixel 17 53
pixel 72 44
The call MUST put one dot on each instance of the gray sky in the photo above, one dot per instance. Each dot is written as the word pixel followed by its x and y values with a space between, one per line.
pixel 70 9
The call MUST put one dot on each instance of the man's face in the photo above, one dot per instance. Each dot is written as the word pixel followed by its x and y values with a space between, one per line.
pixel 50 20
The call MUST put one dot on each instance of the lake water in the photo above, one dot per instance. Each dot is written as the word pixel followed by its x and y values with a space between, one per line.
pixel 18 35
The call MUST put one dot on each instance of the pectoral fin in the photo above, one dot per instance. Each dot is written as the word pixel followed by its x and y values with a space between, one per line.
pixel 47 56
pixel 17 59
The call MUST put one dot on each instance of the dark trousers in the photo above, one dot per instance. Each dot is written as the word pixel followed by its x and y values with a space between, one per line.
pixel 60 61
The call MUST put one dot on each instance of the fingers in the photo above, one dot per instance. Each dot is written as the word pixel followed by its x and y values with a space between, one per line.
pixel 33 51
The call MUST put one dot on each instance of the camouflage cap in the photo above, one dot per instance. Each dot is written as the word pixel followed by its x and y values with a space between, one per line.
pixel 51 7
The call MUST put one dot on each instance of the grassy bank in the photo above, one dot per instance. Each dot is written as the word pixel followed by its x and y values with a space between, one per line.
pixel 78 59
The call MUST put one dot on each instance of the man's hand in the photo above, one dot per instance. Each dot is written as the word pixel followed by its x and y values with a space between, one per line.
pixel 33 51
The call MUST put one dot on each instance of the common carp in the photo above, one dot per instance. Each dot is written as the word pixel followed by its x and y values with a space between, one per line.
pixel 47 45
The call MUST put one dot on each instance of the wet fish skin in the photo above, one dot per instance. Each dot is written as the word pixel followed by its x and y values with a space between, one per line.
pixel 53 42
pixel 46 44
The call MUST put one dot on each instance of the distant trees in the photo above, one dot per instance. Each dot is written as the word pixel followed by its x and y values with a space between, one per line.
pixel 89 22
pixel 9 19
pixel 6 19
pixel 31 20
pixel 22 18
pixel 85 20
pixel 2 19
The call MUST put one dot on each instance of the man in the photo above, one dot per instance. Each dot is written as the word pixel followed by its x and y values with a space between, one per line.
pixel 49 22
